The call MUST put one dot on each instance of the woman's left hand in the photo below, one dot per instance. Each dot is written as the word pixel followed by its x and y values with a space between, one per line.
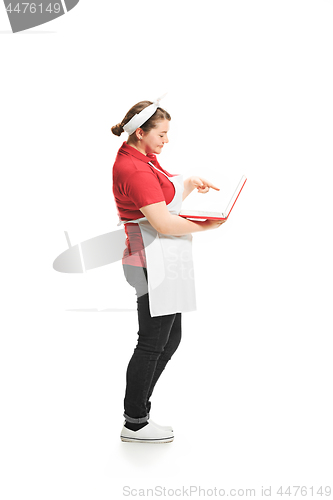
pixel 202 185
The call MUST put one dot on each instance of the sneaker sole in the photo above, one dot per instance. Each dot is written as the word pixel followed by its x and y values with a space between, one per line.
pixel 150 441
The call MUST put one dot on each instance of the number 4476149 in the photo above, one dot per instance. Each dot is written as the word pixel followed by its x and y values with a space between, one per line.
pixel 304 491
pixel 32 8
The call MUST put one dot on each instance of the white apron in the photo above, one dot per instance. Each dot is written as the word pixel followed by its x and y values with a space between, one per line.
pixel 169 262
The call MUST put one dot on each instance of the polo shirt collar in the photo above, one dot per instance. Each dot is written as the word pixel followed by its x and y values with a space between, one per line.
pixel 134 152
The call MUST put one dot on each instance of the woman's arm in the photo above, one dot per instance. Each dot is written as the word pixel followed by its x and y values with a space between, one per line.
pixel 165 223
pixel 200 183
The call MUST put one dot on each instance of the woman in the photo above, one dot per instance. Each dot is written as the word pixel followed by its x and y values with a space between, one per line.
pixel 157 261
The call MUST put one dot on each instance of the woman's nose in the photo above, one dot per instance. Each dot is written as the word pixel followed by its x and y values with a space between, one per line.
pixel 166 139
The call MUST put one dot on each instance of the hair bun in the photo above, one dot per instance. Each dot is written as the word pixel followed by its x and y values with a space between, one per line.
pixel 117 129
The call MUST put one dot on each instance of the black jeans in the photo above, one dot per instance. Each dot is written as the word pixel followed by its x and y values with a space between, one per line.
pixel 158 339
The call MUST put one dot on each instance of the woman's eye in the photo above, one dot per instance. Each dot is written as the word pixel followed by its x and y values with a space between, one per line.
pixel 161 136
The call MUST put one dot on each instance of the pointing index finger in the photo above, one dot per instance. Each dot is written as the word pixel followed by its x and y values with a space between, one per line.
pixel 214 187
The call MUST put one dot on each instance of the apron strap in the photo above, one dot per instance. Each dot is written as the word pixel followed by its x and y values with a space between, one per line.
pixel 158 170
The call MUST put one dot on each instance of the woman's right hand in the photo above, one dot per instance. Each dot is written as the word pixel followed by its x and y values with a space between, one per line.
pixel 214 224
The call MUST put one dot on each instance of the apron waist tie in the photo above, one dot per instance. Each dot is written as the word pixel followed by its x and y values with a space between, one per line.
pixel 135 221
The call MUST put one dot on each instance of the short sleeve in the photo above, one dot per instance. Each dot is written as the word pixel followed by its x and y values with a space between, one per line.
pixel 143 189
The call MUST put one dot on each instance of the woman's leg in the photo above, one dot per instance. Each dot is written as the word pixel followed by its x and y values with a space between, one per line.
pixel 153 336
pixel 169 349
pixel 158 338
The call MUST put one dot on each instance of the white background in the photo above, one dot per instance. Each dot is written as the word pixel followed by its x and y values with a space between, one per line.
pixel 249 390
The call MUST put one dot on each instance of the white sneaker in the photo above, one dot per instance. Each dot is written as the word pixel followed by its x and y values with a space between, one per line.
pixel 150 433
pixel 166 427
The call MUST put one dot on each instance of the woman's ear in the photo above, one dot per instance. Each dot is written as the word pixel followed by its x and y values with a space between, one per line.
pixel 139 133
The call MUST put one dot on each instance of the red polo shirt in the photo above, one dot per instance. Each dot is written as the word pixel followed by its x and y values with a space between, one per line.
pixel 135 185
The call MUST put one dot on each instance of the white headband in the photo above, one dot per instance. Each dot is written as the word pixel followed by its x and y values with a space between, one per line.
pixel 141 118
